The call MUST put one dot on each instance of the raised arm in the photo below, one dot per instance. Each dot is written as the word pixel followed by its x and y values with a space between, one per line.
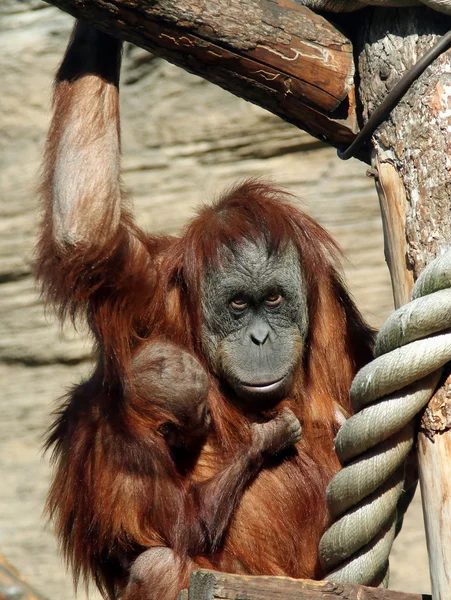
pixel 82 158
pixel 91 258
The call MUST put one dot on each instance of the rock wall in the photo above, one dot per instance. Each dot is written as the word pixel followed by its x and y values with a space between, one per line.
pixel 184 140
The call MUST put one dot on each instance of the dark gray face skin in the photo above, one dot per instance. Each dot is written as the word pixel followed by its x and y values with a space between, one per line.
pixel 255 321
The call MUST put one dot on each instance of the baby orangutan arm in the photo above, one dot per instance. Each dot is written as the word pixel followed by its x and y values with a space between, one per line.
pixel 218 497
pixel 160 573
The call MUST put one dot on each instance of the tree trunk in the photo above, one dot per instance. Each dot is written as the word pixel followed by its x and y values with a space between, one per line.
pixel 274 53
pixel 412 160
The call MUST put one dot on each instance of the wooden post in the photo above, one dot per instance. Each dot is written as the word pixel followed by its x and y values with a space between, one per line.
pixel 412 162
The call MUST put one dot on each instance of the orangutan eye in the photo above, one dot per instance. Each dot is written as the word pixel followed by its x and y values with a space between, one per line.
pixel 239 302
pixel 273 300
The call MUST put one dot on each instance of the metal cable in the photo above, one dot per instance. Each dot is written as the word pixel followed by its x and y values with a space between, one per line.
pixel 383 111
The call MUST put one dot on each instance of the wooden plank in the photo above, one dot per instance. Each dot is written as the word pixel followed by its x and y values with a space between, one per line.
pixel 211 585
pixel 274 53
pixel 435 481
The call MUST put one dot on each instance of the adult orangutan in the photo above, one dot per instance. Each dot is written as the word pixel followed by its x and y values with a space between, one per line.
pixel 184 447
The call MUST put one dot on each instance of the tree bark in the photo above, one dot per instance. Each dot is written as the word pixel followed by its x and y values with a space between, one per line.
pixel 274 53
pixel 412 160
pixel 211 585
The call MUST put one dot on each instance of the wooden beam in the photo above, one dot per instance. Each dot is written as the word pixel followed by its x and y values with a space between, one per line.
pixel 274 53
pixel 211 585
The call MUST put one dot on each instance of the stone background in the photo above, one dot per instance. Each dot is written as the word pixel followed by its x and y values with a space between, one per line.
pixel 184 140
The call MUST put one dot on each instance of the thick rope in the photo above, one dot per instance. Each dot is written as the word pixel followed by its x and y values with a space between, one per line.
pixel 351 5
pixel 363 498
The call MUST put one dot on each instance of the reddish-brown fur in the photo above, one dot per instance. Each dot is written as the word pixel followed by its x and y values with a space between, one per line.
pixel 117 490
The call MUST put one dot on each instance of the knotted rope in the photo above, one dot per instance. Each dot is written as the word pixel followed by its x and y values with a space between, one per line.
pixel 411 349
pixel 351 5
